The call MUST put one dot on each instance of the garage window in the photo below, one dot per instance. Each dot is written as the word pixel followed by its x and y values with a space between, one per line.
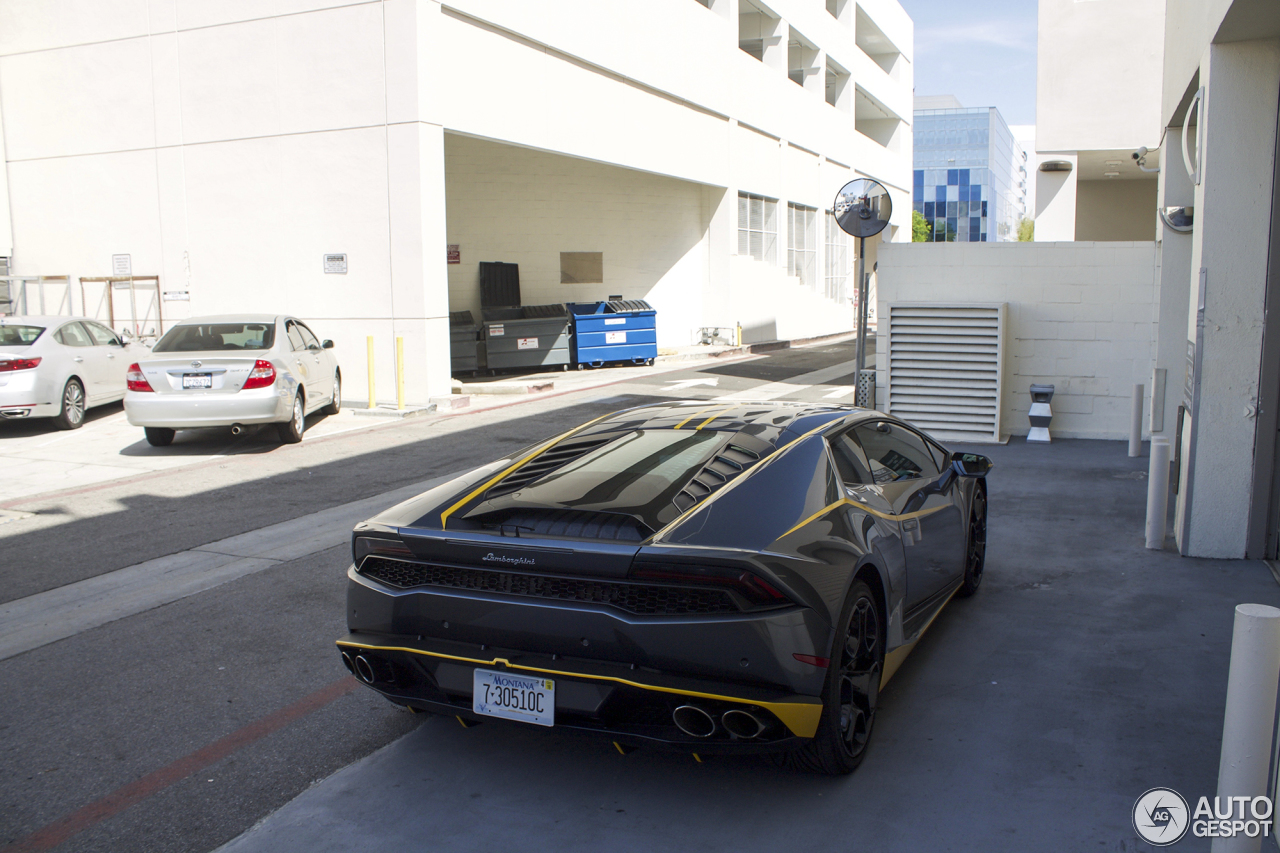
pixel 758 227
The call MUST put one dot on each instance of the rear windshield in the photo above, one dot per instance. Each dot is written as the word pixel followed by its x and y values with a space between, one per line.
pixel 19 336
pixel 208 337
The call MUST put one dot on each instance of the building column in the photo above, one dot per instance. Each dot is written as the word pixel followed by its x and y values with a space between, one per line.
pixel 1173 189
pixel 1227 294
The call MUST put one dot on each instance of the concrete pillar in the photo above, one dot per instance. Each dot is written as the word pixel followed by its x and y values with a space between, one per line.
pixel 1055 200
pixel 1174 280
pixel 1229 263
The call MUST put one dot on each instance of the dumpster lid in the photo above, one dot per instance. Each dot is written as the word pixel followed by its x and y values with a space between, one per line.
pixel 498 315
pixel 499 284
pixel 614 306
pixel 461 318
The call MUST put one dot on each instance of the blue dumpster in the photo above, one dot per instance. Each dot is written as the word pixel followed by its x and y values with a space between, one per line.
pixel 621 330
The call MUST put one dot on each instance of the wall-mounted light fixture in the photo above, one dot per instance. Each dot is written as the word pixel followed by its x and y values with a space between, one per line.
pixel 1055 166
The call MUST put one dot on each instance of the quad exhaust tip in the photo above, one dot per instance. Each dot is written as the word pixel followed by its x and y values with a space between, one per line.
pixel 364 669
pixel 742 724
pixel 348 663
pixel 694 721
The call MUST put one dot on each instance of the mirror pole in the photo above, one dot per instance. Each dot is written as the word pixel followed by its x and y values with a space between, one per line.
pixel 862 309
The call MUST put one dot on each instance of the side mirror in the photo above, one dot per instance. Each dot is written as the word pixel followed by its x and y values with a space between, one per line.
pixel 970 464
pixel 327 344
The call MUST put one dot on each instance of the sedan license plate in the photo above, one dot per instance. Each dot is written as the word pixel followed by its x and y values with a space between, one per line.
pixel 514 697
pixel 197 380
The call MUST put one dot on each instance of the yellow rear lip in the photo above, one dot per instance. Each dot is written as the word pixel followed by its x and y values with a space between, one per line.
pixel 801 717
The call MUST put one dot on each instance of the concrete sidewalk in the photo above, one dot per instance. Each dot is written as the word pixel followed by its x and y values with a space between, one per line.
pixel 1084 672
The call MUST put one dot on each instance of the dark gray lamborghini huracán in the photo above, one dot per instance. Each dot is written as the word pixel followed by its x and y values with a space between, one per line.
pixel 728 577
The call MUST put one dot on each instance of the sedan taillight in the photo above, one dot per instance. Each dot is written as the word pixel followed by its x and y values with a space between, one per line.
pixel 262 375
pixel 135 380
pixel 18 364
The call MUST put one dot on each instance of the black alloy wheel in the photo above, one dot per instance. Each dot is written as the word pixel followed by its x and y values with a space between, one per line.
pixel 975 551
pixel 852 692
pixel 73 406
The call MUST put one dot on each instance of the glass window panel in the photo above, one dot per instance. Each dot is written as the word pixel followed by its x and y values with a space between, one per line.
pixel 964 177
pixel 757 214
pixel 962 208
pixel 928 210
pixel 974 236
pixel 953 177
pixel 744 204
pixel 975 223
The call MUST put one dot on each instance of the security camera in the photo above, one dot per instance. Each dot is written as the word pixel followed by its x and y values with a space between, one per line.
pixel 1140 153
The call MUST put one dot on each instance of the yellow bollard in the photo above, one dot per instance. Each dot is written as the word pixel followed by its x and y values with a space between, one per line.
pixel 399 373
pixel 372 400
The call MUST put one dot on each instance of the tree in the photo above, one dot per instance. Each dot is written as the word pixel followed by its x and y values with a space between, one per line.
pixel 1026 230
pixel 921 229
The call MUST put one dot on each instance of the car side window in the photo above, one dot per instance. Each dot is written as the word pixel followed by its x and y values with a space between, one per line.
pixel 940 456
pixel 895 453
pixel 851 462
pixel 102 336
pixel 308 338
pixel 295 336
pixel 72 335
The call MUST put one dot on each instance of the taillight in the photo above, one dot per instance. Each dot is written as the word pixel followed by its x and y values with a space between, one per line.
pixel 18 364
pixel 755 589
pixel 262 375
pixel 136 381
pixel 363 546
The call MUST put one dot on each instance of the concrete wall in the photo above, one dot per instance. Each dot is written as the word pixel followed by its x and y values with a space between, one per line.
pixel 1229 252
pixel 1081 316
pixel 1098 74
pixel 1055 200
pixel 1116 210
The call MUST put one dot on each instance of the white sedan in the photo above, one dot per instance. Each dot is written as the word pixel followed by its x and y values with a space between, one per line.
pixel 233 370
pixel 56 367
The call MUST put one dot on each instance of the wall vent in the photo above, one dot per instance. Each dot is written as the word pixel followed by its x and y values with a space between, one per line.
pixel 945 368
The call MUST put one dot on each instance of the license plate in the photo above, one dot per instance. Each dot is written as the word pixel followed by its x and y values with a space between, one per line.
pixel 197 380
pixel 514 697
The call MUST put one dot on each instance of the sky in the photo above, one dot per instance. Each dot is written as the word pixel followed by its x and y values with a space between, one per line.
pixel 981 51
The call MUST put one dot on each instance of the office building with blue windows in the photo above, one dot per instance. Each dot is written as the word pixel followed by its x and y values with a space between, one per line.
pixel 970 175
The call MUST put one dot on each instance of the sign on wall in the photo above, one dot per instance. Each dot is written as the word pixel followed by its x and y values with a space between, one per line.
pixel 177 296
pixel 455 253
pixel 335 264
pixel 121 265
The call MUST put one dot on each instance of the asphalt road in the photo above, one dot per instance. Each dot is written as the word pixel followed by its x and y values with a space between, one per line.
pixel 177 728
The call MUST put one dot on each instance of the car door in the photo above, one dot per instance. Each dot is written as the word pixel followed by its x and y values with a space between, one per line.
pixel 321 369
pixel 926 502
pixel 304 366
pixel 85 362
pixel 109 355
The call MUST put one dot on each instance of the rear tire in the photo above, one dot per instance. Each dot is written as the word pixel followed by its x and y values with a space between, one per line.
pixel 159 436
pixel 73 406
pixel 292 429
pixel 975 548
pixel 852 691
pixel 335 405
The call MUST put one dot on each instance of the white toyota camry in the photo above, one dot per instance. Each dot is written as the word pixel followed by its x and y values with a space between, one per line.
pixel 233 370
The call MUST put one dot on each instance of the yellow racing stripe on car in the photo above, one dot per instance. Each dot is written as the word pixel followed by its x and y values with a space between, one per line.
pixel 921 513
pixel 800 717
pixel 701 411
pixel 444 516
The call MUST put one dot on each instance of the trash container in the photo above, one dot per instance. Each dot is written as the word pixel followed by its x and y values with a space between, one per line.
pixel 621 330
pixel 464 343
pixel 538 336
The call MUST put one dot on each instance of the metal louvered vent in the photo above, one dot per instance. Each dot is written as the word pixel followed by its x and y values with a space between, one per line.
pixel 561 454
pixel 726 465
pixel 945 368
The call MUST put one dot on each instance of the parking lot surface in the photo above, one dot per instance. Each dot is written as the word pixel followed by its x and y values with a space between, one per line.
pixel 188 687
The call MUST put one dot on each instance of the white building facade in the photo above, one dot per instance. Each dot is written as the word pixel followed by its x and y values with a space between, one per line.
pixel 228 148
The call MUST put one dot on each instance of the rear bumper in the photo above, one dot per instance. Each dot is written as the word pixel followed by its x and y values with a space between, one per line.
pixel 179 410
pixel 24 395
pixel 615 673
